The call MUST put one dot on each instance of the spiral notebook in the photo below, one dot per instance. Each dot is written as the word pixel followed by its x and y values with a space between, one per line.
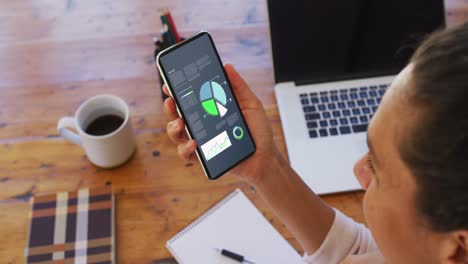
pixel 234 224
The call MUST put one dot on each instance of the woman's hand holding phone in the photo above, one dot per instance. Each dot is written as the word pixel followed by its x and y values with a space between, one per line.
pixel 274 180
pixel 250 169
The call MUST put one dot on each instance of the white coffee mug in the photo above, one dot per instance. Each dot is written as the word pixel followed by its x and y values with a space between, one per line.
pixel 107 151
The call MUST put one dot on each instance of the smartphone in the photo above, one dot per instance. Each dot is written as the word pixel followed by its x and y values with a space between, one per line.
pixel 195 77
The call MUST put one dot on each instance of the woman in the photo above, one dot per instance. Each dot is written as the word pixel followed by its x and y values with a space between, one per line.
pixel 415 173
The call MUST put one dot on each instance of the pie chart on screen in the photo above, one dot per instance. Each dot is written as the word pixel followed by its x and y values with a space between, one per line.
pixel 213 99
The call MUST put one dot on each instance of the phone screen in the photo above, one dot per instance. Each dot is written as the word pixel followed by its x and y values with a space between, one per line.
pixel 208 106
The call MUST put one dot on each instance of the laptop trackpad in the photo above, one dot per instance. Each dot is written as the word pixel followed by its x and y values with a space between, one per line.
pixel 361 146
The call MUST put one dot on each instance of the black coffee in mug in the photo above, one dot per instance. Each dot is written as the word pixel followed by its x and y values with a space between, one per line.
pixel 104 125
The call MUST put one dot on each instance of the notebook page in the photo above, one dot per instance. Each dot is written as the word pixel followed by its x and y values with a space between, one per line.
pixel 234 224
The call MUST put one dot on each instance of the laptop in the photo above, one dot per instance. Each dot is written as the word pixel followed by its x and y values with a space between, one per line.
pixel 333 61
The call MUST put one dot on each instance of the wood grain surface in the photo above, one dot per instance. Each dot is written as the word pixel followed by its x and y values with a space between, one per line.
pixel 55 54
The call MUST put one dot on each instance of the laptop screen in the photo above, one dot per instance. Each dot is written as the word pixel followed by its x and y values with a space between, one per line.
pixel 315 41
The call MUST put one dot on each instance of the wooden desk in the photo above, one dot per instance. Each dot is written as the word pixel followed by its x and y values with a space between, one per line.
pixel 55 54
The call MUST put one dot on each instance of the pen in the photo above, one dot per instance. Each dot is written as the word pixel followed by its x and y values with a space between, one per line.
pixel 170 30
pixel 173 26
pixel 233 256
pixel 167 29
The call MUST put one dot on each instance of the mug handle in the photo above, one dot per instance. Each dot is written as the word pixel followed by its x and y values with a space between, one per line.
pixel 63 127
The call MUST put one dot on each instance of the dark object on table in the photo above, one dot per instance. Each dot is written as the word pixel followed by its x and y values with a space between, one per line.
pixel 159 47
pixel 234 256
pixel 170 36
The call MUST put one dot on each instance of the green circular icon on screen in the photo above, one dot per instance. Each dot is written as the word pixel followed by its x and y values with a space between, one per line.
pixel 238 133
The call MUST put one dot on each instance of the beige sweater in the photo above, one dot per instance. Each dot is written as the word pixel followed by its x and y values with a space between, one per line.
pixel 346 237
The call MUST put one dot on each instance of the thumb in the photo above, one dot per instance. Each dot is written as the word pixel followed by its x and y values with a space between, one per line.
pixel 239 86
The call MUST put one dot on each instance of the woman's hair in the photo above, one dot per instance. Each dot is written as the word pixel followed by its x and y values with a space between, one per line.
pixel 436 149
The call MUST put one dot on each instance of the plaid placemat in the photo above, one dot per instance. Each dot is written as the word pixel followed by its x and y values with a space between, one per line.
pixel 72 227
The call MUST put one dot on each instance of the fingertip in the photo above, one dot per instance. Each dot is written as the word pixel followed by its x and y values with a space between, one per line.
pixel 189 148
pixel 168 105
pixel 167 101
pixel 193 143
pixel 180 123
pixel 230 70
pixel 232 75
pixel 175 125
pixel 166 90
pixel 186 150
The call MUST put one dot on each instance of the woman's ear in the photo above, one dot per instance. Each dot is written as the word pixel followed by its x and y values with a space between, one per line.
pixel 362 172
pixel 455 248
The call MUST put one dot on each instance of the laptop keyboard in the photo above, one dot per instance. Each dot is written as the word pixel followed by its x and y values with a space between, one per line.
pixel 342 111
